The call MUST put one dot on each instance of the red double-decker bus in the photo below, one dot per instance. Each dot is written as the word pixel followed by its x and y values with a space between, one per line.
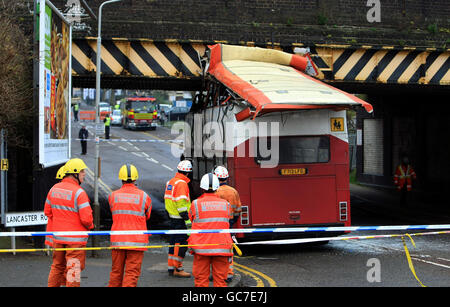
pixel 281 133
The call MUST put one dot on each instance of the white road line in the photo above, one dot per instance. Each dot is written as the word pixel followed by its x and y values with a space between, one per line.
pixel 129 143
pixel 152 160
pixel 137 148
pixel 102 185
pixel 169 168
pixel 145 154
pixel 443 259
pixel 111 143
pixel 136 154
pixel 414 257
pixel 121 147
pixel 434 263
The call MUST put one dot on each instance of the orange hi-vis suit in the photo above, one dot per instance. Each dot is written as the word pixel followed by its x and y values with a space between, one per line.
pixel 404 174
pixel 130 209
pixel 67 206
pixel 210 249
pixel 49 238
pixel 232 196
pixel 177 203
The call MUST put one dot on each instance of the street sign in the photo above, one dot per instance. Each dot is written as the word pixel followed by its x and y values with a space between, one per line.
pixel 99 128
pixel 15 219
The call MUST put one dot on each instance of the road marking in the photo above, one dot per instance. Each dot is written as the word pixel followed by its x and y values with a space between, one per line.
pixel 243 268
pixel 152 160
pixel 414 257
pixel 146 155
pixel 136 154
pixel 121 147
pixel 103 185
pixel 137 148
pixel 443 259
pixel 168 167
pixel 430 262
pixel 111 143
pixel 259 282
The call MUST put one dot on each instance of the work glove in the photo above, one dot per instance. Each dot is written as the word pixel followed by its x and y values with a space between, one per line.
pixel 188 225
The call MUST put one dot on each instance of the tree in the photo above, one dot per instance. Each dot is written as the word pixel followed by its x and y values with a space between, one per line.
pixel 16 93
pixel 16 98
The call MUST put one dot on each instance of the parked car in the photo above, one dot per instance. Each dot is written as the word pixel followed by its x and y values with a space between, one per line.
pixel 116 118
pixel 177 113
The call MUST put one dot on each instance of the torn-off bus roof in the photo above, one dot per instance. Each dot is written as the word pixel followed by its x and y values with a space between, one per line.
pixel 272 80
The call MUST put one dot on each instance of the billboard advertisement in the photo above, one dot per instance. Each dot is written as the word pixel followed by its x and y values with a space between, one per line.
pixel 55 40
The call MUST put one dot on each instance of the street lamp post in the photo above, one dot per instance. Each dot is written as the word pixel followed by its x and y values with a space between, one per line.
pixel 97 119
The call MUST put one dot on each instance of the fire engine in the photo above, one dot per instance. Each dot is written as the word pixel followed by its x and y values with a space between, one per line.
pixel 139 112
pixel 281 133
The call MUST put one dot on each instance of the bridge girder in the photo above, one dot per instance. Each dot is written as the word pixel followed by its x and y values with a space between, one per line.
pixel 173 64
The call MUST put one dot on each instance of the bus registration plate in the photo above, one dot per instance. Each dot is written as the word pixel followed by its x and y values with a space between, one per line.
pixel 293 171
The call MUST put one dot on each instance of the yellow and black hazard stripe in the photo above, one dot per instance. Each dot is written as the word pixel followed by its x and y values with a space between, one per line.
pixel 138 58
pixel 383 64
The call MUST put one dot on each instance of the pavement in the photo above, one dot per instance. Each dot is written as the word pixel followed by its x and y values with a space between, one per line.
pixel 385 203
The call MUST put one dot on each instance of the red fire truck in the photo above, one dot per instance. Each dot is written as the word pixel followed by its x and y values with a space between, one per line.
pixel 139 112
pixel 281 133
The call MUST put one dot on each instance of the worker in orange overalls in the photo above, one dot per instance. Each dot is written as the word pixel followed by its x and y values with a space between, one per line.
pixel 177 202
pixel 211 250
pixel 232 196
pixel 49 238
pixel 67 205
pixel 130 209
pixel 404 174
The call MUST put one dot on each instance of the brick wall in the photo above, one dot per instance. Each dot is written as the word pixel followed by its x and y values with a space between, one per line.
pixel 403 22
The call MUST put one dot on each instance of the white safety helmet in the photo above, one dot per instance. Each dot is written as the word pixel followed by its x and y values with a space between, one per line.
pixel 185 166
pixel 221 172
pixel 209 182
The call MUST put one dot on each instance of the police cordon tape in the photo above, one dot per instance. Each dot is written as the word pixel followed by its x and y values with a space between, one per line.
pixel 233 230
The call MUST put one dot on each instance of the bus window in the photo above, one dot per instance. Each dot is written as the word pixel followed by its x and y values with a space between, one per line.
pixel 300 149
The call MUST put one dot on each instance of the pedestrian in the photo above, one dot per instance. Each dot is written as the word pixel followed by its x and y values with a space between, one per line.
pixel 67 205
pixel 177 202
pixel 83 135
pixel 130 208
pixel 107 122
pixel 212 251
pixel 232 196
pixel 75 111
pixel 403 177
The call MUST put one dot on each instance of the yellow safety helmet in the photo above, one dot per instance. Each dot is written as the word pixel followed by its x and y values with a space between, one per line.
pixel 75 166
pixel 61 172
pixel 128 172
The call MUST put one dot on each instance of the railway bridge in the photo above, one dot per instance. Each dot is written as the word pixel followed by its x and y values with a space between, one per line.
pixel 395 52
